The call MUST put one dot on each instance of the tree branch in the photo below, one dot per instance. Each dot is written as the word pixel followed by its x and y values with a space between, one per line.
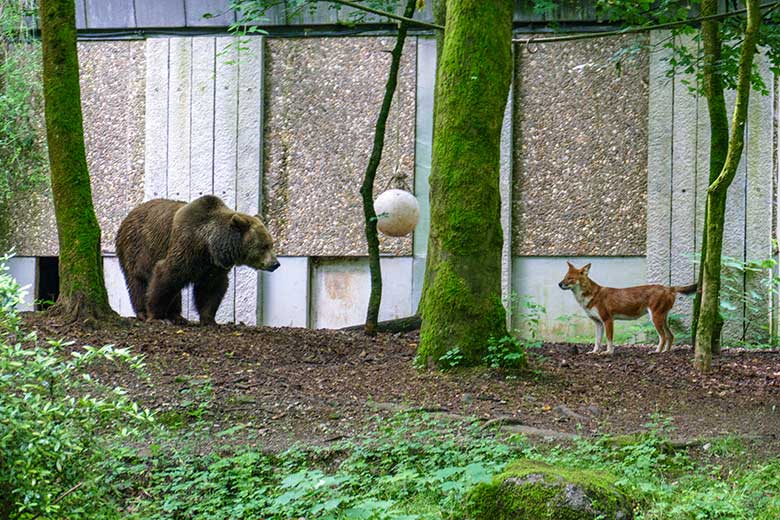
pixel 670 25
pixel 410 21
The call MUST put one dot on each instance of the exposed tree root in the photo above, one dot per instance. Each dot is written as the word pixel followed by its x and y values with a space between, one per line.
pixel 407 324
pixel 77 308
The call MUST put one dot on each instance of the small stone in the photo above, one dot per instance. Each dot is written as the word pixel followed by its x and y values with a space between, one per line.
pixel 594 410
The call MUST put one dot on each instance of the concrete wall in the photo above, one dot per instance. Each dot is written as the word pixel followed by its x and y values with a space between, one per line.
pixel 580 150
pixel 678 171
pixel 113 105
pixel 595 166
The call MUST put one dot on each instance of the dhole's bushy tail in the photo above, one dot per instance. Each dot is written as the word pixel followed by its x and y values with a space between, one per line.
pixel 686 289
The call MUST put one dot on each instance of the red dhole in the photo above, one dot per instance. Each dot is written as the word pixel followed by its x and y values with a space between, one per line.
pixel 603 305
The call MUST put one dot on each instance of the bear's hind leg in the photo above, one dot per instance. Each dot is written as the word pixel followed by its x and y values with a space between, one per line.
pixel 174 311
pixel 164 294
pixel 209 292
pixel 136 287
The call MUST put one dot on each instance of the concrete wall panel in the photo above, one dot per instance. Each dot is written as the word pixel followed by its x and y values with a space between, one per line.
pixel 323 97
pixel 156 135
pixel 249 166
pixel 580 150
pixel 426 82
pixel 202 108
pixel 683 189
pixel 118 297
pixel 341 287
pixel 659 162
pixel 285 294
pixel 23 269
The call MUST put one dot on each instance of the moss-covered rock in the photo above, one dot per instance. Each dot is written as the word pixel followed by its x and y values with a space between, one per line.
pixel 531 490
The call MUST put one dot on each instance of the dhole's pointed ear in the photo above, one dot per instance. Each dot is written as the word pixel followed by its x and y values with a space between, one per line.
pixel 240 222
pixel 570 265
pixel 585 269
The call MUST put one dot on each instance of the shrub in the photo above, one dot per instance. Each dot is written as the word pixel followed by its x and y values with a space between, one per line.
pixel 56 422
pixel 506 352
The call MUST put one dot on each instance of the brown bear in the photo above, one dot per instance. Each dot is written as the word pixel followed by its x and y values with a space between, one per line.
pixel 164 245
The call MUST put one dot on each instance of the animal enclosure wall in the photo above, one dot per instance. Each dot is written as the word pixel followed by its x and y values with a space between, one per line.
pixel 597 165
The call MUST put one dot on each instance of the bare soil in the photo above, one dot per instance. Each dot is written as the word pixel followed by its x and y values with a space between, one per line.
pixel 315 386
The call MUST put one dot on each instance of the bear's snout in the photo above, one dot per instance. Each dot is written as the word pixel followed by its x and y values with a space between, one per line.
pixel 274 266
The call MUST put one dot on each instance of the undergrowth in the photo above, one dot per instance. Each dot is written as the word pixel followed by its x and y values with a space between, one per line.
pixel 414 467
pixel 72 448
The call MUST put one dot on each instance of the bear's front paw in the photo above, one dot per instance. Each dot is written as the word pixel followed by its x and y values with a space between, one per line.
pixel 208 322
pixel 176 320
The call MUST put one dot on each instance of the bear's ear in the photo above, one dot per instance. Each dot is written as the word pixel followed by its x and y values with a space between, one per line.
pixel 240 222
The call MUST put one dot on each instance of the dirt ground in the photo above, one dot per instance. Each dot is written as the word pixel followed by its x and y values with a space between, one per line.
pixel 318 386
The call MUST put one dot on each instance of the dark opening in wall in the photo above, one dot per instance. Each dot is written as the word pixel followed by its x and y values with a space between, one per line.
pixel 48 286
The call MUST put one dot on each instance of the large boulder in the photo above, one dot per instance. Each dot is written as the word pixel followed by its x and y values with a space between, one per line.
pixel 532 490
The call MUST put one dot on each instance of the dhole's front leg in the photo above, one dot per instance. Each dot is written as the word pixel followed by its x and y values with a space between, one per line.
pixel 599 336
pixel 609 325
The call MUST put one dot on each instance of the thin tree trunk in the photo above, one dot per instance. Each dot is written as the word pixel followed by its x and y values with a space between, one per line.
pixel 367 189
pixel 461 304
pixel 716 197
pixel 82 289
pixel 719 140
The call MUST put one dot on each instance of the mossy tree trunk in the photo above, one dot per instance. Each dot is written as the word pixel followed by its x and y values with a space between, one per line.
pixel 719 140
pixel 461 303
pixel 82 289
pixel 367 189
pixel 709 313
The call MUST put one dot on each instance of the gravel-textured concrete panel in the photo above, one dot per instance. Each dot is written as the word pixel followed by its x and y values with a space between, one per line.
pixel 580 150
pixel 322 100
pixel 112 101
pixel 659 161
pixel 112 97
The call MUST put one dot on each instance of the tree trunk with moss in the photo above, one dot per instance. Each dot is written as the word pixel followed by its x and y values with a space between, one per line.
pixel 367 189
pixel 719 139
pixel 461 304
pixel 709 313
pixel 82 289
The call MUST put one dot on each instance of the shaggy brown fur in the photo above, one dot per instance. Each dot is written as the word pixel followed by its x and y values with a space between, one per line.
pixel 606 304
pixel 164 245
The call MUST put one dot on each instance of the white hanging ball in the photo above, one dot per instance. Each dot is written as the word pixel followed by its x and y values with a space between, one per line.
pixel 397 212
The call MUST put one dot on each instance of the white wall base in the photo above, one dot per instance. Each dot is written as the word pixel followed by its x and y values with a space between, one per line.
pixel 23 269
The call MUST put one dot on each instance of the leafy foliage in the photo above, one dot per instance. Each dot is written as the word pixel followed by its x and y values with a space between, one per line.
pixel 747 287
pixel 688 59
pixel 506 352
pixel 56 422
pixel 256 12
pixel 415 467
pixel 22 152
pixel 452 358
pixel 412 464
